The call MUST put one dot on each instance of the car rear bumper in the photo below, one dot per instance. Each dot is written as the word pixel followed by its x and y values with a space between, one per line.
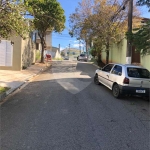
pixel 134 90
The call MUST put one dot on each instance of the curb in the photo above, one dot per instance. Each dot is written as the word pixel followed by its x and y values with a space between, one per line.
pixel 10 91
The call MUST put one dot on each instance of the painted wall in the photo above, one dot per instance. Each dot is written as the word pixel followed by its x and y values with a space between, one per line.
pixel 145 61
pixel 28 52
pixel 48 38
pixel 118 55
pixel 16 65
pixel 23 54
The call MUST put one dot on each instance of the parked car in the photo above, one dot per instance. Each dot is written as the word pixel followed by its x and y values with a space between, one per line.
pixel 66 58
pixel 124 79
pixel 82 57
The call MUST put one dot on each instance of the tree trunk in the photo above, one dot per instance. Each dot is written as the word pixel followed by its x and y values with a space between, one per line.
pixel 107 52
pixel 99 59
pixel 43 46
pixel 107 56
pixel 42 53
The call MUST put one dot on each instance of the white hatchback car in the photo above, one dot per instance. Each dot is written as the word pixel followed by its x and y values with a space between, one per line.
pixel 124 79
pixel 82 57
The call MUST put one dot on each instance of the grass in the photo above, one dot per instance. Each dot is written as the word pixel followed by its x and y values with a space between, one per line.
pixel 3 89
pixel 57 59
pixel 38 56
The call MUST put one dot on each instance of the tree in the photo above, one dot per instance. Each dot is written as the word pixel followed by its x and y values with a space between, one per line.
pixel 104 19
pixel 100 21
pixel 96 50
pixel 12 20
pixel 141 38
pixel 48 15
pixel 62 54
pixel 144 2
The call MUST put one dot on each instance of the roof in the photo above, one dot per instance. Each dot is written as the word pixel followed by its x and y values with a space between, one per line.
pixel 127 65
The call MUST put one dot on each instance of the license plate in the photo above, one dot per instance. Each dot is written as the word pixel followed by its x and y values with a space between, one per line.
pixel 140 91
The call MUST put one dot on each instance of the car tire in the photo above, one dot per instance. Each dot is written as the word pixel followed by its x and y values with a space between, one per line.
pixel 96 81
pixel 116 91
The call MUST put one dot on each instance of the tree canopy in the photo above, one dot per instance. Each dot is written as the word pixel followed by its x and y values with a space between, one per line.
pixel 103 20
pixel 141 38
pixel 48 15
pixel 12 20
pixel 144 2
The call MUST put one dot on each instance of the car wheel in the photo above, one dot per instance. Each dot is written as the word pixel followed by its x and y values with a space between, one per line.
pixel 96 81
pixel 116 91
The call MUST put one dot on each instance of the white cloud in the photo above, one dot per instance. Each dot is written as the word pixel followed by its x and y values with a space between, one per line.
pixel 76 41
pixel 77 45
pixel 61 48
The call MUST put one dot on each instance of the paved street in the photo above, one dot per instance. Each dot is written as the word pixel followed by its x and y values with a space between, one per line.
pixel 62 109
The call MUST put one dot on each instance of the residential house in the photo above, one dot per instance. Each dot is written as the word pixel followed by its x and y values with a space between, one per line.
pixel 118 52
pixel 54 51
pixel 16 53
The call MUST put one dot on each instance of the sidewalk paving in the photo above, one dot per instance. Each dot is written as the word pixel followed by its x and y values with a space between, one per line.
pixel 15 79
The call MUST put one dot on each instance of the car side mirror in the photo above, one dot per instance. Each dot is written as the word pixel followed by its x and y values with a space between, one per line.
pixel 100 68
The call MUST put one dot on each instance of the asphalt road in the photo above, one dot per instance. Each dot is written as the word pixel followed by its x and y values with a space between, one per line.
pixel 62 109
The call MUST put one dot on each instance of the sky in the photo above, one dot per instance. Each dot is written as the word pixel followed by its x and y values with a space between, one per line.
pixel 64 38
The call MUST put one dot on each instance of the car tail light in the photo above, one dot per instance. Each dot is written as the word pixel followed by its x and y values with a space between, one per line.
pixel 126 80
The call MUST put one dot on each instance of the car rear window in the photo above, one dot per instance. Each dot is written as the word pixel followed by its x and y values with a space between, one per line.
pixel 138 72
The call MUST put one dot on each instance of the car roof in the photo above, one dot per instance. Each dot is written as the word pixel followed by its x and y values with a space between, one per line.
pixel 128 65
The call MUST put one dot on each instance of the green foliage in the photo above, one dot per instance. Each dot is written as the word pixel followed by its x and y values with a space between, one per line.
pixel 62 53
pixel 93 52
pixel 3 89
pixel 48 15
pixel 12 20
pixel 98 19
pixel 141 38
pixel 38 55
pixel 144 2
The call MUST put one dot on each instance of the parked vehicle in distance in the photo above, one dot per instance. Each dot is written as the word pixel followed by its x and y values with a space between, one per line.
pixel 66 58
pixel 124 79
pixel 82 57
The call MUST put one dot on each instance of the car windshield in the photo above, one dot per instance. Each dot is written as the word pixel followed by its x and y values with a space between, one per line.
pixel 138 72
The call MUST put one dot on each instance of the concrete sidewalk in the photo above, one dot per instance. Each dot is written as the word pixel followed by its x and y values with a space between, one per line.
pixel 15 79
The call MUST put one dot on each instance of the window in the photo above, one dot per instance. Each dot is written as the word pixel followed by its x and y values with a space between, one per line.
pixel 82 55
pixel 108 68
pixel 138 72
pixel 37 46
pixel 117 70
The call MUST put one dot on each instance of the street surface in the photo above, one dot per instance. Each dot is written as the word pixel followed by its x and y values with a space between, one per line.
pixel 62 109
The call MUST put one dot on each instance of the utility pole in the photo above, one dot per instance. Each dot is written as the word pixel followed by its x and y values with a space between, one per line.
pixel 80 46
pixel 129 42
pixel 69 51
pixel 59 48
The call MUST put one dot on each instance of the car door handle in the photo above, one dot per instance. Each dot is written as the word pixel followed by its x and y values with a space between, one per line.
pixel 107 75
